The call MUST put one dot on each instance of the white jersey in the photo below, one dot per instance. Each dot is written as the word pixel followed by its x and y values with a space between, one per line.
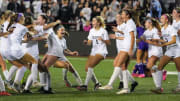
pixel 152 49
pixel 16 50
pixel 167 35
pixel 63 46
pixel 98 46
pixel 32 46
pixel 63 43
pixel 176 26
pixel 119 43
pixel 4 40
pixel 54 45
pixel 130 26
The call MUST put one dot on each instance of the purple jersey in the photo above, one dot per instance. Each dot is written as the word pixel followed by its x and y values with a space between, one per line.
pixel 141 45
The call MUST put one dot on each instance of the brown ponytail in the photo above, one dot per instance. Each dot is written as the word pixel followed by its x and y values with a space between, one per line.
pixel 156 24
pixel 13 20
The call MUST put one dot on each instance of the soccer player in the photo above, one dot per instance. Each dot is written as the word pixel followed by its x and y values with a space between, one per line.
pixel 119 44
pixel 154 52
pixel 98 38
pixel 126 51
pixel 63 62
pixel 141 54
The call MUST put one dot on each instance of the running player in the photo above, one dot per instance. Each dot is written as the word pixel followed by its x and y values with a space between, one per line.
pixel 98 38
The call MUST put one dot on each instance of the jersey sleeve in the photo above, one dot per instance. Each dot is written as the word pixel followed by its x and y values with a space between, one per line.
pixel 90 35
pixel 39 29
pixel 65 45
pixel 105 35
pixel 173 31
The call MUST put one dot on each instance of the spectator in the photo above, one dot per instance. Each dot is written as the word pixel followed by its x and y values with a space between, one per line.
pixel 82 2
pixel 103 13
pixel 92 3
pixel 100 4
pixel 87 11
pixel 44 6
pixel 54 9
pixel 78 10
pixel 155 9
pixel 49 16
pixel 114 4
pixel 110 16
pixel 4 5
pixel 37 7
pixel 22 7
pixel 65 12
pixel 13 5
pixel 130 4
pixel 87 27
pixel 74 4
pixel 81 20
pixel 94 12
pixel 28 13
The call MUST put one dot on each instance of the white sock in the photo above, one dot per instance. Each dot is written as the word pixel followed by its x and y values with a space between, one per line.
pixel 20 74
pixel 34 72
pixel 178 79
pixel 159 74
pixel 77 77
pixel 6 73
pixel 125 79
pixel 88 75
pixel 42 77
pixel 48 81
pixel 28 82
pixel 64 72
pixel 115 74
pixel 130 77
pixel 2 88
pixel 94 79
pixel 12 71
pixel 121 76
pixel 154 78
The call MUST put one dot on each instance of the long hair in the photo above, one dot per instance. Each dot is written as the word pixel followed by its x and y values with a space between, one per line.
pixel 155 23
pixel 5 15
pixel 169 17
pixel 12 20
pixel 2 18
pixel 101 21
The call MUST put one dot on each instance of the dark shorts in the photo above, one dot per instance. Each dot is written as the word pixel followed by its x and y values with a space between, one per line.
pixel 143 46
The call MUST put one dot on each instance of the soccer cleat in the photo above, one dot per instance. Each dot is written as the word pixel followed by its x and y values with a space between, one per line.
pixel 38 84
pixel 49 91
pixel 176 90
pixel 164 75
pixel 41 89
pixel 121 85
pixel 157 90
pixel 4 93
pixel 68 84
pixel 133 86
pixel 16 87
pixel 123 91
pixel 8 84
pixel 135 75
pixel 26 92
pixel 96 86
pixel 107 87
pixel 141 76
pixel 82 88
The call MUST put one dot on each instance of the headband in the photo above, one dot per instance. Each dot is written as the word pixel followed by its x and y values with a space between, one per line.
pixel 19 16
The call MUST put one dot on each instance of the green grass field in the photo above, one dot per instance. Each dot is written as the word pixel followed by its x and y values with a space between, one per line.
pixel 103 72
